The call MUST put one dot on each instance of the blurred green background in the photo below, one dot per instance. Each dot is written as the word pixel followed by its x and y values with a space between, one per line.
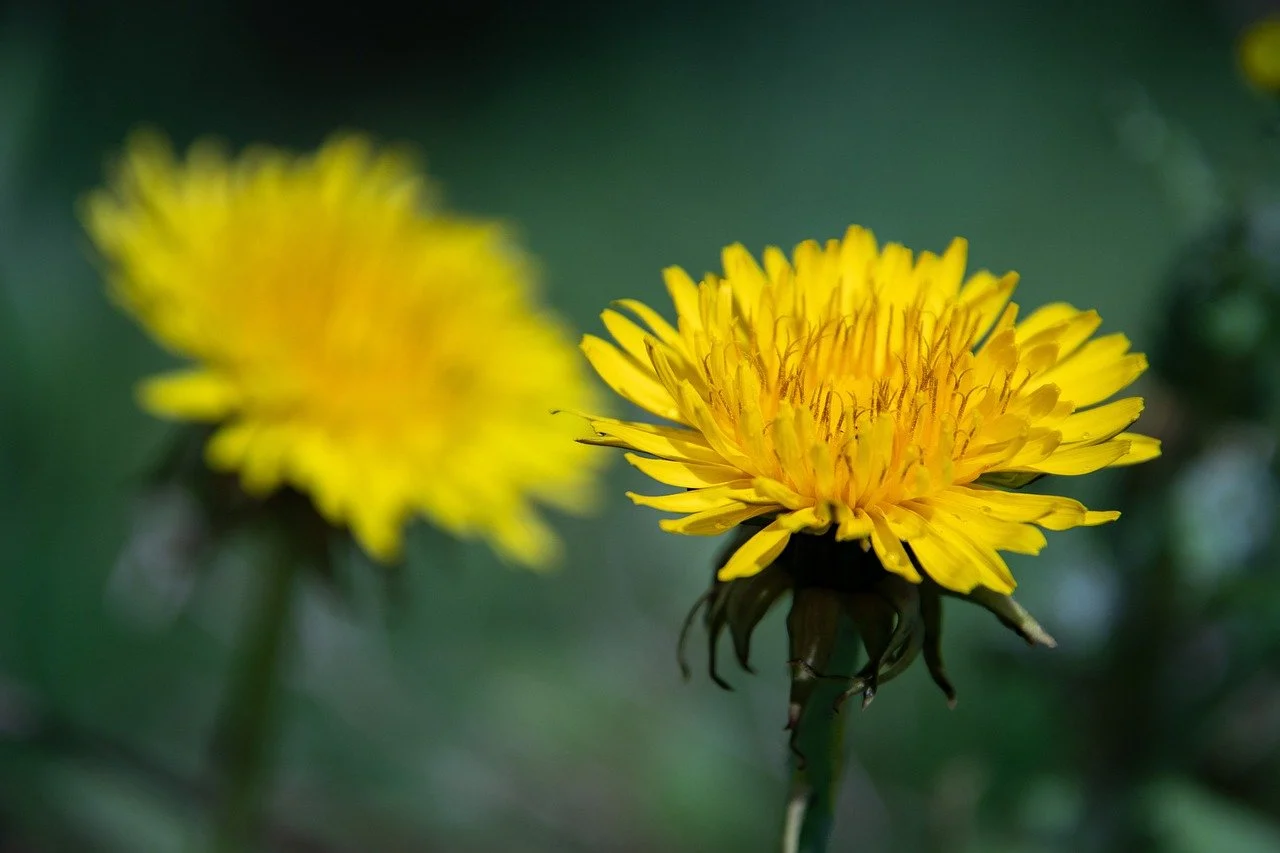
pixel 1109 152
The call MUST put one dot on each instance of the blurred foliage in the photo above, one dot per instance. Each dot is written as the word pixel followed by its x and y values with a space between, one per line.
pixel 1108 152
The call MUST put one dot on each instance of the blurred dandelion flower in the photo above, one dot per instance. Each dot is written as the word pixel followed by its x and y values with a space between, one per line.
pixel 887 399
pixel 350 339
pixel 1259 54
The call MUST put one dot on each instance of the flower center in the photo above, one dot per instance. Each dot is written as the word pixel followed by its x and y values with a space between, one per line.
pixel 872 406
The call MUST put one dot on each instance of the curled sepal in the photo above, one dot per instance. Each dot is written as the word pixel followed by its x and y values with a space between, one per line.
pixel 898 659
pixel 715 620
pixel 887 617
pixel 931 618
pixel 1012 614
pixel 714 604
pixel 681 658
pixel 749 601
pixel 888 621
pixel 875 619
pixel 842 598
pixel 813 628
pixel 908 635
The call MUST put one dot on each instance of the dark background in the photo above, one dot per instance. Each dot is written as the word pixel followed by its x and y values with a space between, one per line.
pixel 1090 146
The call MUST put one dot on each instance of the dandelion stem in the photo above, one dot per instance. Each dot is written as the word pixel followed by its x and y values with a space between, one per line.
pixel 246 724
pixel 810 812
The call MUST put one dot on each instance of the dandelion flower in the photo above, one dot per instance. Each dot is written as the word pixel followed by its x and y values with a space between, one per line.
pixel 348 339
pixel 872 396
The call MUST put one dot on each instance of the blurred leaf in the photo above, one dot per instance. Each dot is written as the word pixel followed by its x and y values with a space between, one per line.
pixel 1189 819
pixel 117 811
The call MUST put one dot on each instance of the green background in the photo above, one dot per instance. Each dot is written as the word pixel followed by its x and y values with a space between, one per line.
pixel 481 708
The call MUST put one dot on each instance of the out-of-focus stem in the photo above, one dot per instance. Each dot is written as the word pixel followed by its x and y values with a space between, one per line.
pixel 244 731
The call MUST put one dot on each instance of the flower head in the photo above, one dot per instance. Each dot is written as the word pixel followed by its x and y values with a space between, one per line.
pixel 350 339
pixel 864 393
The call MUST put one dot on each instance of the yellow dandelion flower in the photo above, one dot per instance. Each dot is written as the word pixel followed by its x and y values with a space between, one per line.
pixel 883 398
pixel 349 338
pixel 1259 54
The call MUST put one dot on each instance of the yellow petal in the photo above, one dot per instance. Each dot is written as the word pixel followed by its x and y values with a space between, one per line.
pixel 629 379
pixel 941 563
pixel 199 395
pixel 988 296
pixel 854 524
pixel 628 335
pixel 1082 458
pixel 1101 368
pixel 1142 448
pixel 1096 517
pixel 700 416
pixel 756 553
pixel 665 442
pixel 903 523
pixel 698 500
pixel 1102 422
pixel 230 445
pixel 780 494
pixel 1106 381
pixel 684 293
pixel 950 268
pixel 523 537
pixel 745 274
pixel 262 467
pixel 379 533
pixel 889 548
pixel 1035 450
pixel 664 331
pixel 1043 318
pixel 713 522
pixel 984 562
pixel 1001 535
pixel 815 519
pixel 686 475
pixel 1076 331
pixel 1012 506
pixel 1095 355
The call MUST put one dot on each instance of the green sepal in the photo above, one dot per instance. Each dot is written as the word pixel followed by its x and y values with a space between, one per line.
pixel 1011 613
pixel 749 601
pixel 931 617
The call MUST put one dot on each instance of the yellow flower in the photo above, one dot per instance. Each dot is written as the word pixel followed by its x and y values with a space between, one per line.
pixel 351 340
pixel 882 398
pixel 1259 54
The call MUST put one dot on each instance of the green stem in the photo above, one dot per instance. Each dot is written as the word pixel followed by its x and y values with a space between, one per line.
pixel 246 723
pixel 815 783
